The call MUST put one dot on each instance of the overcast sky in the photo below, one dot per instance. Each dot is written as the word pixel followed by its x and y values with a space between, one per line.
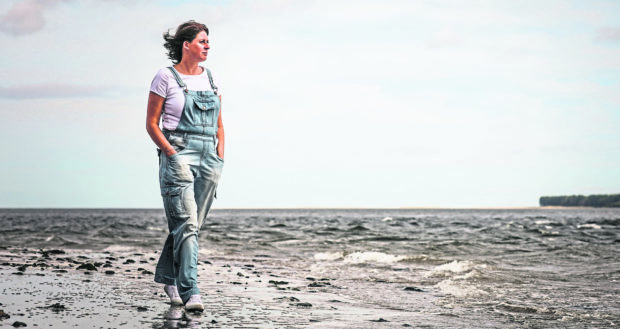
pixel 325 103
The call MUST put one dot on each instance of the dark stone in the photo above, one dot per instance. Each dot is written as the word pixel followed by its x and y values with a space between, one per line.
pixel 380 320
pixel 57 307
pixel 147 272
pixel 240 274
pixel 111 258
pixel 109 272
pixel 18 324
pixel 142 308
pixel 60 271
pixel 316 285
pixel 406 325
pixel 22 268
pixel 277 282
pixel 107 265
pixel 4 315
pixel 82 257
pixel 129 261
pixel 303 305
pixel 310 278
pixel 248 265
pixel 87 266
pixel 98 264
pixel 18 273
pixel 213 321
pixel 293 299
pixel 413 289
pixel 235 282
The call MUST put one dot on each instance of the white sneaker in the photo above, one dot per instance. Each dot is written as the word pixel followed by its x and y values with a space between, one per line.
pixel 194 304
pixel 172 292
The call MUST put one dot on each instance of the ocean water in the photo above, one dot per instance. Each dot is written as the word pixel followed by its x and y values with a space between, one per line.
pixel 537 268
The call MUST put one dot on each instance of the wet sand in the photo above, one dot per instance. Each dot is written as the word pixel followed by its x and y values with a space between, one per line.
pixel 113 289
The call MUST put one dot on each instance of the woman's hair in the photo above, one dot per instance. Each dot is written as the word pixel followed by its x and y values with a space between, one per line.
pixel 185 32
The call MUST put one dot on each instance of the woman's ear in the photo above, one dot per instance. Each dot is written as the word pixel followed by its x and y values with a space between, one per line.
pixel 185 44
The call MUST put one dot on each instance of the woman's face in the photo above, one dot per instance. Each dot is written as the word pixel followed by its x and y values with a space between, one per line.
pixel 199 47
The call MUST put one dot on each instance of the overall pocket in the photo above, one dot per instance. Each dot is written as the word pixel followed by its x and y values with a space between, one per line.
pixel 173 201
pixel 204 110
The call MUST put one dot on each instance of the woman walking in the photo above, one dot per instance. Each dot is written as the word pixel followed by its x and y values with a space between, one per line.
pixel 191 155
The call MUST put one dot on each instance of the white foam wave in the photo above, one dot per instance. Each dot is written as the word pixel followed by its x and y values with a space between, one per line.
pixel 594 226
pixel 387 219
pixel 451 268
pixel 458 288
pixel 328 255
pixel 371 257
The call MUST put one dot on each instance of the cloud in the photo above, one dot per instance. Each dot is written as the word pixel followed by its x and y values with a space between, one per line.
pixel 26 16
pixel 608 34
pixel 51 91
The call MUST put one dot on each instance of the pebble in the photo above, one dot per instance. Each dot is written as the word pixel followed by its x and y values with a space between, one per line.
pixel 380 320
pixel 17 324
pixel 413 289
pixel 87 266
pixel 4 315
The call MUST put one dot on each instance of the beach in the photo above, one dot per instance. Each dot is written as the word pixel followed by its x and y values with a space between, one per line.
pixel 48 289
pixel 317 268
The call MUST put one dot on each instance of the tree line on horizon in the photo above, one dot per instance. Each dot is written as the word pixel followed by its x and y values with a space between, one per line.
pixel 595 200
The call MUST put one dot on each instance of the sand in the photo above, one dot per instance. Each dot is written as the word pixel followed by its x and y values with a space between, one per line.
pixel 115 289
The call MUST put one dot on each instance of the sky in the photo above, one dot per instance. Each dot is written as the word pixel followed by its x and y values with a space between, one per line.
pixel 325 103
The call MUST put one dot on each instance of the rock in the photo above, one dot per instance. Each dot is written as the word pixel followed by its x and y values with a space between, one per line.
pixel 18 273
pixel 142 308
pixel 316 285
pixel 310 278
pixel 109 272
pixel 4 315
pixel 18 324
pixel 129 261
pixel 413 289
pixel 98 264
pixel 57 307
pixel 303 305
pixel 380 320
pixel 147 272
pixel 22 268
pixel 87 266
pixel 240 274
pixel 277 282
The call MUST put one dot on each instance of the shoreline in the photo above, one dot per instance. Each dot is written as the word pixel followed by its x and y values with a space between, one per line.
pixel 45 288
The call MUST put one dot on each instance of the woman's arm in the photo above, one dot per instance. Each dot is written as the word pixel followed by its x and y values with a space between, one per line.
pixel 153 114
pixel 220 133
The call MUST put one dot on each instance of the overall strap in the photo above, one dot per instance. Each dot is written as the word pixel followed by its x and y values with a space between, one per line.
pixel 213 86
pixel 178 78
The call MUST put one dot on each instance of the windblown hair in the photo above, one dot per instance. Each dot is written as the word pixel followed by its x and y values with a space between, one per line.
pixel 185 32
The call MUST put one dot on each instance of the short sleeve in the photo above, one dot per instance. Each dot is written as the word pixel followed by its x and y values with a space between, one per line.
pixel 159 85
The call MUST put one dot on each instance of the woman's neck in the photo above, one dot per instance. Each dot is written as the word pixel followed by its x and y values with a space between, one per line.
pixel 188 68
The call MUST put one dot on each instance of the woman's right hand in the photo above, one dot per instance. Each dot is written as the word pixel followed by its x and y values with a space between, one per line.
pixel 153 114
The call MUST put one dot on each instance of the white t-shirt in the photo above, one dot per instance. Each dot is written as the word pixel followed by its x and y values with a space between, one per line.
pixel 165 85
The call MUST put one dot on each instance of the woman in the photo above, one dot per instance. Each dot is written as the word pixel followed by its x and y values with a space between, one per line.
pixel 191 155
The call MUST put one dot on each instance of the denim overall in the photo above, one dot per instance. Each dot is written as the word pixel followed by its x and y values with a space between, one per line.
pixel 188 180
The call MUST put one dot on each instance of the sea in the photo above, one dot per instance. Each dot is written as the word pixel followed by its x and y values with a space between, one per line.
pixel 531 267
